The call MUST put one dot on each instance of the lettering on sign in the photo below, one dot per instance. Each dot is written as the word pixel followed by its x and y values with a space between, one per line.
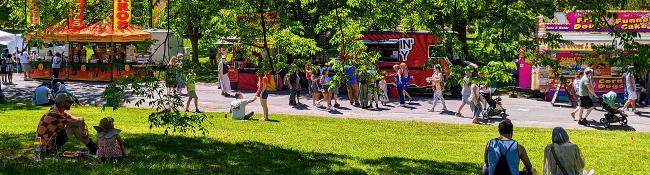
pixel 405 47
pixel 76 20
pixel 121 14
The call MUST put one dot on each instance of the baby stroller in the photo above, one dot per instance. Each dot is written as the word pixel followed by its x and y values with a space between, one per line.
pixel 613 115
pixel 494 107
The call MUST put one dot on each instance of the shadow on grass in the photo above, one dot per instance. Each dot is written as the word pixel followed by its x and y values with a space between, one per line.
pixel 9 106
pixel 159 154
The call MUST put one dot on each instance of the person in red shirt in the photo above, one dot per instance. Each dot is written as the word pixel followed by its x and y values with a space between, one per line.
pixel 264 94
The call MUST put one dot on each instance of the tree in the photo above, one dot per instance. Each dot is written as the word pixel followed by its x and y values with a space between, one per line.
pixel 191 18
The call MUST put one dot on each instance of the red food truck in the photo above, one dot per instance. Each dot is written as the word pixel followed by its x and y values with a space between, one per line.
pixel 415 48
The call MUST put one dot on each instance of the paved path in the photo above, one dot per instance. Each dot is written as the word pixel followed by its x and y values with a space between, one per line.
pixel 523 112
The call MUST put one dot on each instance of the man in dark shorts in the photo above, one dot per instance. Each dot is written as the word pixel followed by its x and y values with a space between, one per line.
pixel 586 92
pixel 56 126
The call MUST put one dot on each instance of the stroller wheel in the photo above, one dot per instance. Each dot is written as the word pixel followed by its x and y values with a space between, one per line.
pixel 504 115
pixel 604 122
pixel 485 116
pixel 624 122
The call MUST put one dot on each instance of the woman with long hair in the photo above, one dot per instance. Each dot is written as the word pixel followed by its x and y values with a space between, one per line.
pixel 406 77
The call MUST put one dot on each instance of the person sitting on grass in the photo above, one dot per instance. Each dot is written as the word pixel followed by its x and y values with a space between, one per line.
pixel 56 126
pixel 562 156
pixel 42 96
pixel 502 154
pixel 238 107
pixel 191 92
pixel 111 144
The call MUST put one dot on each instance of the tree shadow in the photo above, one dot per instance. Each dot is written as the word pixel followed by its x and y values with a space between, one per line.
pixel 13 106
pixel 398 165
pixel 160 154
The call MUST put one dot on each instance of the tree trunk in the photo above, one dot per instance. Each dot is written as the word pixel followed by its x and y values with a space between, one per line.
pixel 461 28
pixel 194 40
pixel 264 32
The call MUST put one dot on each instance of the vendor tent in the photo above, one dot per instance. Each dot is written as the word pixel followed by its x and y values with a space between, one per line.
pixel 55 32
pixel 103 31
pixel 6 38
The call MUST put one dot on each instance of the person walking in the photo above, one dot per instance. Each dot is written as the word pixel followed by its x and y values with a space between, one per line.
pixel 465 93
pixel 24 62
pixel 3 67
pixel 586 92
pixel 325 88
pixel 363 89
pixel 383 86
pixel 352 84
pixel 399 84
pixel 475 103
pixel 406 77
pixel 180 79
pixel 191 92
pixel 437 84
pixel 223 68
pixel 10 68
pixel 293 83
pixel 562 156
pixel 576 87
pixel 308 78
pixel 630 90
pixel 56 64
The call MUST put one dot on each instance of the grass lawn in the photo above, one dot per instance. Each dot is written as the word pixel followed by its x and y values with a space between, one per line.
pixel 303 145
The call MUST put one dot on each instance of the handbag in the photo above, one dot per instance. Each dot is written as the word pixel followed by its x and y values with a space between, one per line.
pixel 557 161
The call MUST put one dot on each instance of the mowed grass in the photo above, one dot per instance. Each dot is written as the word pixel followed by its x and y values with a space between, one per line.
pixel 303 145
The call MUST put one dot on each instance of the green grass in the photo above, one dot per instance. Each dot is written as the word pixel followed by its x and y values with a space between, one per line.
pixel 303 145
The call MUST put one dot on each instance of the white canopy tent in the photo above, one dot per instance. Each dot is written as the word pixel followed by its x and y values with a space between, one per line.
pixel 11 40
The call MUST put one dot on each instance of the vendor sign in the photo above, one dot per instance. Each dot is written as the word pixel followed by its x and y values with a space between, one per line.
pixel 76 20
pixel 121 14
pixel 634 21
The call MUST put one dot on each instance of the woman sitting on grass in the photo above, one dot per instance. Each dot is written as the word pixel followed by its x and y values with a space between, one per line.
pixel 562 156
pixel 111 144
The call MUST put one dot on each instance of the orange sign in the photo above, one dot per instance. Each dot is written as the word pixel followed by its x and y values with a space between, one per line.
pixel 121 14
pixel 76 20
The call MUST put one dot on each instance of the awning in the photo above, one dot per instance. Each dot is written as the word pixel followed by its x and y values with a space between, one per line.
pixel 102 31
pixel 56 32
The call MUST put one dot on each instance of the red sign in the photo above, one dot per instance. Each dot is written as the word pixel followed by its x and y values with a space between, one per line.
pixel 76 20
pixel 121 14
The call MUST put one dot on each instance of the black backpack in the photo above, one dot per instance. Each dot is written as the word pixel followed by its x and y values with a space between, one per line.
pixel 225 68
pixel 502 167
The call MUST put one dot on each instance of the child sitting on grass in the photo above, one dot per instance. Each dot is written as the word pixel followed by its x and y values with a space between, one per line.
pixel 111 144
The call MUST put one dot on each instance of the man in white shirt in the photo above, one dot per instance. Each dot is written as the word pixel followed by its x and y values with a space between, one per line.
pixel 56 65
pixel 238 107
pixel 24 62
pixel 224 80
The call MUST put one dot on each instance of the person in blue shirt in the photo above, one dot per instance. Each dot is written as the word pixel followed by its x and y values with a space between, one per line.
pixel 352 84
pixel 42 96
pixel 504 146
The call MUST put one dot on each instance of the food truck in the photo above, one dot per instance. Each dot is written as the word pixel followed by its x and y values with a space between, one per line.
pixel 574 27
pixel 420 50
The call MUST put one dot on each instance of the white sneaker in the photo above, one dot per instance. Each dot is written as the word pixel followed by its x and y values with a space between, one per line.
pixel 329 108
pixel 430 109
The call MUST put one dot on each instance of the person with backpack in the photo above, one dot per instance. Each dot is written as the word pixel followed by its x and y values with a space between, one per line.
pixel 562 157
pixel 502 154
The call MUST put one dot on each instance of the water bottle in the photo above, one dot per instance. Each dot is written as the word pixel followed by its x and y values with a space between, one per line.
pixel 38 148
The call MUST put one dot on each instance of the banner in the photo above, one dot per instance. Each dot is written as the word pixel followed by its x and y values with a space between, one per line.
pixel 121 14
pixel 158 10
pixel 34 18
pixel 634 21
pixel 76 20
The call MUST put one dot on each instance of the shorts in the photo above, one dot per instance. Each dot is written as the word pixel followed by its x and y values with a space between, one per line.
pixel 465 99
pixel 265 95
pixel 632 96
pixel 26 67
pixel 192 94
pixel 585 102
pixel 335 91
pixel 478 109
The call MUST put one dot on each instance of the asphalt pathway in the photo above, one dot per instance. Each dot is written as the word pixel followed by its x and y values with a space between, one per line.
pixel 522 111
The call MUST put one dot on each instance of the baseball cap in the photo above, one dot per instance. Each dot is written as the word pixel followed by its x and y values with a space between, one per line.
pixel 63 97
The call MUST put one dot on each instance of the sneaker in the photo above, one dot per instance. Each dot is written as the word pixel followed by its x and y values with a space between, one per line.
pixel 336 105
pixel 444 109
pixel 458 114
pixel 329 109
pixel 198 111
pixel 430 109
pixel 264 119
pixel 582 122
